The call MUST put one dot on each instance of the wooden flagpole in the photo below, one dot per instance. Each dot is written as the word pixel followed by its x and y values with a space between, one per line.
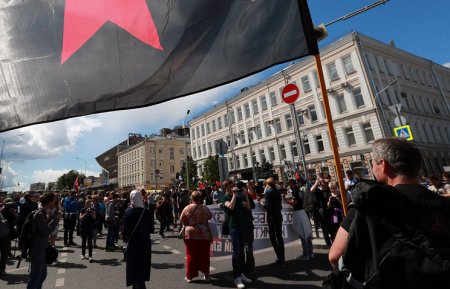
pixel 332 134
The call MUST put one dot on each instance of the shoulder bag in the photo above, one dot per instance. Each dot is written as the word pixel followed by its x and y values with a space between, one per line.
pixel 183 229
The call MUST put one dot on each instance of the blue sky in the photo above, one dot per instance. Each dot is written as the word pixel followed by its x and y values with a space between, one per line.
pixel 46 151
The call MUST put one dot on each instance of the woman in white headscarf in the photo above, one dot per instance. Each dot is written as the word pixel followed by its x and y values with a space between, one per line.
pixel 136 233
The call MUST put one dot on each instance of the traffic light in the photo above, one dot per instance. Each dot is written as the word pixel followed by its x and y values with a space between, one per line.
pixel 320 32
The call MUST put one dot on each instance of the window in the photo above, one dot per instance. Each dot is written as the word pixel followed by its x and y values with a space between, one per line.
pixel 238 162
pixel 332 71
pixel 172 168
pixel 271 154
pixel 288 119
pixel 359 99
pixel 225 117
pixel 193 133
pixel 268 128
pixel 245 160
pixel 350 136
pixel 219 122
pixel 213 124
pixel 294 150
pixel 312 113
pixel 316 78
pixel 319 142
pixel 300 118
pixel 263 102
pixel 341 105
pixel 204 149
pixel 228 141
pixel 388 68
pixel 368 133
pixel 278 125
pixel 258 131
pixel 203 129
pixel 273 98
pixel 208 129
pixel 305 84
pixel 283 152
pixel 262 156
pixel 171 153
pixel 235 139
pixel 198 131
pixel 348 64
pixel 239 113
pixel 306 146
pixel 210 148
pixel 232 116
pixel 247 110
pixel 242 137
pixel 255 106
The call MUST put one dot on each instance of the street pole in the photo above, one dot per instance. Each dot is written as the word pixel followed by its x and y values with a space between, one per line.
pixel 186 151
pixel 299 139
pixel 378 100
pixel 250 130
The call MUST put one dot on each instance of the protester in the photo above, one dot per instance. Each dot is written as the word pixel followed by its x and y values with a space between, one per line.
pixel 236 203
pixel 300 221
pixel 334 204
pixel 40 235
pixel 87 225
pixel 322 193
pixel 70 218
pixel 272 203
pixel 163 213
pixel 112 223
pixel 9 215
pixel 136 233
pixel 397 163
pixel 249 264
pixel 197 237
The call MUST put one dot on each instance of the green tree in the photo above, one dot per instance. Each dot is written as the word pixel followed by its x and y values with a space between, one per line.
pixel 211 170
pixel 192 171
pixel 67 180
pixel 265 171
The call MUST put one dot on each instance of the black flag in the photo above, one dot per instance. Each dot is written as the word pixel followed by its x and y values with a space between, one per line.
pixel 60 59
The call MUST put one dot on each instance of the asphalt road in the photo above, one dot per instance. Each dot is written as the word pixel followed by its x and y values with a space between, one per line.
pixel 108 269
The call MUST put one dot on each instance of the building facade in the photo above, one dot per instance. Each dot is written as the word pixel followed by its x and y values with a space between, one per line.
pixel 365 78
pixel 152 163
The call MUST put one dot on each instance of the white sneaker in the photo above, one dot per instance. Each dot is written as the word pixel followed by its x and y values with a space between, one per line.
pixel 245 279
pixel 238 283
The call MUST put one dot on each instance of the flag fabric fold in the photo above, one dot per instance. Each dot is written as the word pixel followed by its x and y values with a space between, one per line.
pixel 60 59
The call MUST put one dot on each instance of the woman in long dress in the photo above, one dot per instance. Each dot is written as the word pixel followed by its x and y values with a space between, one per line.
pixel 136 232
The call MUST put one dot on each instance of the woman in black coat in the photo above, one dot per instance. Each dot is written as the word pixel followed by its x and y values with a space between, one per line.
pixel 136 232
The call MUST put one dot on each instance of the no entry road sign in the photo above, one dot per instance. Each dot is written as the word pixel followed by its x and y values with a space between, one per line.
pixel 290 93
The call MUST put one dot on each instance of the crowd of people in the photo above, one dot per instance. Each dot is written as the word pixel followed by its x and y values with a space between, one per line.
pixel 132 216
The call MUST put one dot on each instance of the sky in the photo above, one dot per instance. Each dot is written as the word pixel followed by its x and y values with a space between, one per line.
pixel 42 153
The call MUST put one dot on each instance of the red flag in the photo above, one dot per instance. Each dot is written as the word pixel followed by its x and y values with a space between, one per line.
pixel 80 57
pixel 77 185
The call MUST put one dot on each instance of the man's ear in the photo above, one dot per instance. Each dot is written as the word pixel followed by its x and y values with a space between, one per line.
pixel 387 169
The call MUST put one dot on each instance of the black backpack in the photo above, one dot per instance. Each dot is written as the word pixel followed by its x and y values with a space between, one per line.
pixel 385 251
pixel 26 235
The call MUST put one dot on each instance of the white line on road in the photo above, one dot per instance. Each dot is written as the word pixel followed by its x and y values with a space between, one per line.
pixel 167 247
pixel 59 282
pixel 17 269
pixel 211 268
pixel 63 260
pixel 175 252
pixel 61 271
pixel 63 254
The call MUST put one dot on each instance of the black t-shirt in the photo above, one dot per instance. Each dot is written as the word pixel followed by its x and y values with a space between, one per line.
pixel 422 206
pixel 296 194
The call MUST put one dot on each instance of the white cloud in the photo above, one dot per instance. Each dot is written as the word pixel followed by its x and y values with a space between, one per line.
pixel 446 64
pixel 48 175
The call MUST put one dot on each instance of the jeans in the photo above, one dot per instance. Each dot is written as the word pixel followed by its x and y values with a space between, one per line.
pixel 248 249
pixel 112 227
pixel 5 247
pixel 86 236
pixel 164 220
pixel 307 246
pixel 38 271
pixel 70 221
pixel 238 236
pixel 139 286
pixel 276 235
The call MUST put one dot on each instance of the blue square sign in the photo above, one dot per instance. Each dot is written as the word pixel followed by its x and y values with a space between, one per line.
pixel 404 132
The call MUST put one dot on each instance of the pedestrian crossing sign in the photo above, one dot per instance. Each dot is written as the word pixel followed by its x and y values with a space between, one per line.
pixel 404 132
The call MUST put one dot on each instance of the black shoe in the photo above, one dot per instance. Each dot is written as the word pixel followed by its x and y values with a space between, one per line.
pixel 278 263
pixel 72 243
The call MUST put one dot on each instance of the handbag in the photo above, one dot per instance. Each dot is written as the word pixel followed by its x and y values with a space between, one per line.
pixel 125 248
pixel 51 254
pixel 183 228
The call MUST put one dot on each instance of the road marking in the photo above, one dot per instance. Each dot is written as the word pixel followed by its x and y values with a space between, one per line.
pixel 212 268
pixel 175 252
pixel 63 254
pixel 63 260
pixel 61 271
pixel 59 282
pixel 17 269
pixel 167 247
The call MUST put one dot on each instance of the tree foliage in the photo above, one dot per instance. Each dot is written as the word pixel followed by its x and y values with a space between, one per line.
pixel 192 166
pixel 67 181
pixel 211 170
pixel 266 170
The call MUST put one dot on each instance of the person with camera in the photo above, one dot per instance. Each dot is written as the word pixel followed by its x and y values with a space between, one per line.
pixel 87 224
pixel 322 193
pixel 43 225
pixel 236 203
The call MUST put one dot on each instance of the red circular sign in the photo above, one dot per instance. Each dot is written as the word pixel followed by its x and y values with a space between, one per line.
pixel 290 93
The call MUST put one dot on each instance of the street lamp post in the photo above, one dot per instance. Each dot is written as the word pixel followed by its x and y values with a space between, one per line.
pixel 250 130
pixel 186 151
pixel 85 165
pixel 377 99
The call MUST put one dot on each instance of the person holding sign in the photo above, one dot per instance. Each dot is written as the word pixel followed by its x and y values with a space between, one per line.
pixel 236 204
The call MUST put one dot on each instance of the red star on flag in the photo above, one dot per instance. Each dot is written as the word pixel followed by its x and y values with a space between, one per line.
pixel 83 18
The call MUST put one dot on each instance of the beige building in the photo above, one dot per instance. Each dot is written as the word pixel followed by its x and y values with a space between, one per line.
pixel 364 77
pixel 152 163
